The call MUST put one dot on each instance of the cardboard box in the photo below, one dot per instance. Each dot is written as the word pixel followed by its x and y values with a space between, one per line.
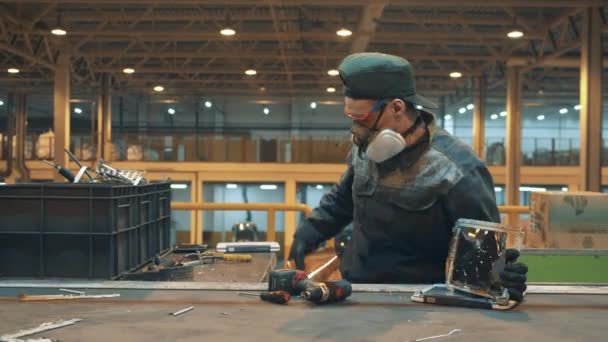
pixel 568 220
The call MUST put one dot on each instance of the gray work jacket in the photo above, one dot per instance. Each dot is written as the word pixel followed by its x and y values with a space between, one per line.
pixel 403 210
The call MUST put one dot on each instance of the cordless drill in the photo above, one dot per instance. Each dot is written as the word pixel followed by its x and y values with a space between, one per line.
pixel 296 282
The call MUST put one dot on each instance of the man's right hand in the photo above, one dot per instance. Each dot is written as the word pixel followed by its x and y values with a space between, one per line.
pixel 299 248
pixel 306 239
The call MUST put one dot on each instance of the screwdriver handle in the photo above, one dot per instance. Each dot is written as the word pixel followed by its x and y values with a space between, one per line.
pixel 237 257
pixel 62 171
pixel 277 297
pixel 66 174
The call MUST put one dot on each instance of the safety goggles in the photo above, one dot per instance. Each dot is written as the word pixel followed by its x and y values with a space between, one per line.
pixel 360 117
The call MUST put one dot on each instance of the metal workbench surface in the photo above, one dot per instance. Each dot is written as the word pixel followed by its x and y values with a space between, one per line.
pixel 387 314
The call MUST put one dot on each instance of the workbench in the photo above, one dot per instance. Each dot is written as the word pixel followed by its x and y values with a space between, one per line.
pixel 372 313
pixel 254 271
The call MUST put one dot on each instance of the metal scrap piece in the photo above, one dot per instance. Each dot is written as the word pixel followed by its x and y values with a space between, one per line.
pixel 436 336
pixel 182 311
pixel 43 327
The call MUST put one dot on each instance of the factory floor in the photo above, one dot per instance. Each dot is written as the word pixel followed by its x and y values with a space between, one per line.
pixel 144 315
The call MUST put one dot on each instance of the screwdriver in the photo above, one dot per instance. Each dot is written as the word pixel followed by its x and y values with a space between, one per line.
pixel 62 171
pixel 277 297
pixel 73 157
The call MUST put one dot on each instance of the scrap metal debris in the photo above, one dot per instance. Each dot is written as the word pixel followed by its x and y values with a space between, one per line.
pixel 105 173
pixel 43 327
pixel 110 174
pixel 436 336
pixel 76 295
pixel 182 311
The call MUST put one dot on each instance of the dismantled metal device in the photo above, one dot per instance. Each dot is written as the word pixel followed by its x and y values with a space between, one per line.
pixel 475 260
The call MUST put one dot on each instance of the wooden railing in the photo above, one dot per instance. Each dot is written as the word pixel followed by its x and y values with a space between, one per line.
pixel 272 208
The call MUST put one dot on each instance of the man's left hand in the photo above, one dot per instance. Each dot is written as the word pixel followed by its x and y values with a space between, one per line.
pixel 513 277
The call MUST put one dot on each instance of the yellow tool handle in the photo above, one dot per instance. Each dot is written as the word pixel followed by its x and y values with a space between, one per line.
pixel 237 257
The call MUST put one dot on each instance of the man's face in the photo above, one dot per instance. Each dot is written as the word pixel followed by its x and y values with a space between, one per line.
pixel 366 118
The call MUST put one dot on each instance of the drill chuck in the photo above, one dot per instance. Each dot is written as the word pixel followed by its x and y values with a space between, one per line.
pixel 327 292
pixel 317 294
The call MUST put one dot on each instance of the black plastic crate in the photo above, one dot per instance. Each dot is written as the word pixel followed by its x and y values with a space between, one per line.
pixel 81 208
pixel 81 230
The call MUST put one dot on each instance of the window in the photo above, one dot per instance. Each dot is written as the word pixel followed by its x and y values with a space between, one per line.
pixel 550 122
pixel 525 191
pixel 217 225
pixel 180 219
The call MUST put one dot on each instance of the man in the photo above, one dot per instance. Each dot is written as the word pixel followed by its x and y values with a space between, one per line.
pixel 407 183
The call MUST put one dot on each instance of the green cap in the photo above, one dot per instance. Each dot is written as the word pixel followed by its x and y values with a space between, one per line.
pixel 372 75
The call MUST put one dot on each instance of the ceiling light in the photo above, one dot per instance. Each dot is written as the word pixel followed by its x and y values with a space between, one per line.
pixel 1 103
pixel 418 107
pixel 447 117
pixel 208 104
pixel 455 74
pixel 563 111
pixel 319 187
pixel 231 186
pixel 313 105
pixel 565 189
pixel 171 111
pixel 333 72
pixel 262 89
pixel 470 106
pixel 497 189
pixel 530 188
pixel 158 89
pixel 179 186
pixel 251 72
pixel 577 107
pixel 77 110
pixel 128 70
pixel 227 31
pixel 268 187
pixel 266 111
pixel 331 89
pixel 503 113
pixel 344 32
pixel 462 110
pixel 515 34
pixel 58 31
pixel 540 117
pixel 494 116
pixel 12 70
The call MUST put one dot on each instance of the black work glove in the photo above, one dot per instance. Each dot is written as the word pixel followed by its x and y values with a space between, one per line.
pixel 306 239
pixel 298 250
pixel 513 277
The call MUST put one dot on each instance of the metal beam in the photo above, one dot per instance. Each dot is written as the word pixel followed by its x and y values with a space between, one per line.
pixel 104 119
pixel 216 71
pixel 260 14
pixel 513 148
pixel 26 55
pixel 259 55
pixel 345 3
pixel 197 36
pixel 277 31
pixel 591 101
pixel 479 117
pixel 367 25
pixel 61 115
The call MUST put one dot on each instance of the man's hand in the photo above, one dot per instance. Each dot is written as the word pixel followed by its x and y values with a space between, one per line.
pixel 298 250
pixel 514 276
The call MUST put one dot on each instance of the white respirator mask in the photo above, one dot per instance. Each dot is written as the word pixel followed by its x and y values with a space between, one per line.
pixel 385 145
